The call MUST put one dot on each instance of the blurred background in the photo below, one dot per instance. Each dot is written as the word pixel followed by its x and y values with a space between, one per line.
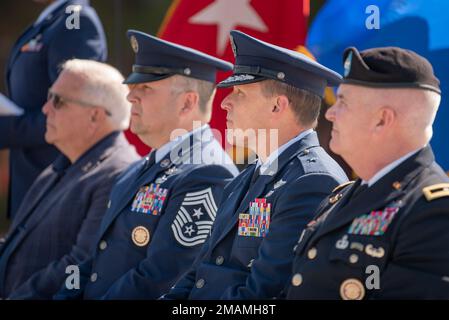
pixel 324 27
pixel 117 16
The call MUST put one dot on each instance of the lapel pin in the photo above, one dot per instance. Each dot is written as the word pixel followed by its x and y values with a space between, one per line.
pixel 397 185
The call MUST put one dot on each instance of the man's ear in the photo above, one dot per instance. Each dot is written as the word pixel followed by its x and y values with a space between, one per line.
pixel 386 116
pixel 190 101
pixel 280 104
pixel 97 115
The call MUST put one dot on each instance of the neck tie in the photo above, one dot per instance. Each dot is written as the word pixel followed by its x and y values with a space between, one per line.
pixel 361 188
pixel 151 160
pixel 256 175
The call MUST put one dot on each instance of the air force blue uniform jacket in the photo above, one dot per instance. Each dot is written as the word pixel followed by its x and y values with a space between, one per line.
pixel 32 68
pixel 159 216
pixel 250 251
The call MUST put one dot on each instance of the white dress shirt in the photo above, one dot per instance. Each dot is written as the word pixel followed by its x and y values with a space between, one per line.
pixel 388 168
pixel 275 154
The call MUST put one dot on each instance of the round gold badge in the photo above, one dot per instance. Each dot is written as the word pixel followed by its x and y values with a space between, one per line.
pixel 352 289
pixel 140 236
pixel 134 44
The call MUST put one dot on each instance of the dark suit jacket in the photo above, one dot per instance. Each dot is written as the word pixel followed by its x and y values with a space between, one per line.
pixel 59 218
pixel 31 70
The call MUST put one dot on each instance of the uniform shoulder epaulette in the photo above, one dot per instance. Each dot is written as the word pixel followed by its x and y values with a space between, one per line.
pixel 338 188
pixel 436 191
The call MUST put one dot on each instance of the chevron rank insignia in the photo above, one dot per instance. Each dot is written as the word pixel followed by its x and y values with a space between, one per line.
pixel 149 200
pixel 193 223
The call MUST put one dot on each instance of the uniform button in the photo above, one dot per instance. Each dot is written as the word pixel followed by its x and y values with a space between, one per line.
pixel 353 258
pixel 93 277
pixel 109 204
pixel 219 261
pixel 297 280
pixel 200 283
pixel 312 253
pixel 103 245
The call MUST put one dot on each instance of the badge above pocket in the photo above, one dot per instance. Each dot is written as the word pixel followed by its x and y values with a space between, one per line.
pixel 360 251
pixel 149 199
pixel 256 223
pixel 375 223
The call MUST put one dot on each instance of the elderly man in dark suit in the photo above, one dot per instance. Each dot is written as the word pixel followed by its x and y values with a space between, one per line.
pixel 32 68
pixel 56 223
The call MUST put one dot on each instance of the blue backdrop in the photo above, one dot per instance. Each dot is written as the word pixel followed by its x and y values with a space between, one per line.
pixel 418 25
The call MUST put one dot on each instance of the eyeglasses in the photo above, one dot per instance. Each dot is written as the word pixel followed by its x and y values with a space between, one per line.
pixel 58 101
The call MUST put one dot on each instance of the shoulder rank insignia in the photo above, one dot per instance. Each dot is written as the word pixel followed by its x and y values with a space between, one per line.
pixel 338 188
pixel 436 191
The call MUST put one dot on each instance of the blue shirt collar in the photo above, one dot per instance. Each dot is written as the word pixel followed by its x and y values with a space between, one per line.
pixel 169 146
pixel 388 168
pixel 275 154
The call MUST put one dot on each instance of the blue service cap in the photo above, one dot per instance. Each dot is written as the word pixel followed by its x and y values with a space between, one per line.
pixel 256 60
pixel 157 59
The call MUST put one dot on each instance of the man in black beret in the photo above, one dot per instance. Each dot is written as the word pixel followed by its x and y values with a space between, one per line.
pixel 385 236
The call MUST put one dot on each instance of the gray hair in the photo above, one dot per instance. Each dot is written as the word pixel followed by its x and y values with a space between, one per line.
pixel 102 86
pixel 205 90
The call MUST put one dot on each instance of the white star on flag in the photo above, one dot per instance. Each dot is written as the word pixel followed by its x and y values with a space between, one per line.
pixel 227 15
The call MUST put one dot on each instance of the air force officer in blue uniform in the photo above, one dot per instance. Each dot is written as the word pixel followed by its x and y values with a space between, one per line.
pixel 32 68
pixel 162 209
pixel 263 211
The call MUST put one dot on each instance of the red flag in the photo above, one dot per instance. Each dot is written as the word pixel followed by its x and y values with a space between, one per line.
pixel 205 25
pixel 141 148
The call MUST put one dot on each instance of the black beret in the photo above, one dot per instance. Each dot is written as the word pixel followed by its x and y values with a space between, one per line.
pixel 389 67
